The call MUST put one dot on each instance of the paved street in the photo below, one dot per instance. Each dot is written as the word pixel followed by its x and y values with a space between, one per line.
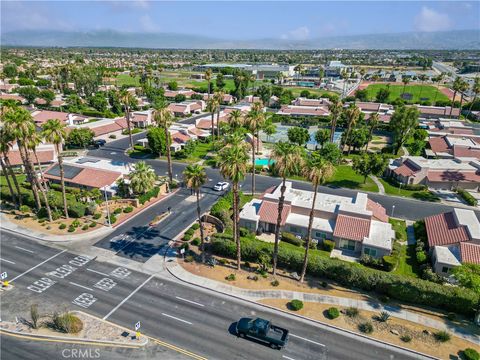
pixel 190 318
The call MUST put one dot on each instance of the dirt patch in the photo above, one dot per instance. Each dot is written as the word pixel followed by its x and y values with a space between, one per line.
pixel 421 341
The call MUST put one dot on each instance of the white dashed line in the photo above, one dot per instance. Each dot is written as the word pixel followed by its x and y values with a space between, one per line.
pixel 302 338
pixel 189 301
pixel 33 268
pixel 21 248
pixel 97 272
pixel 287 357
pixel 7 261
pixel 128 297
pixel 80 286
pixel 178 319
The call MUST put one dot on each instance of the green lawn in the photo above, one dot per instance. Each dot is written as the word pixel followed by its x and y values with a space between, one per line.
pixel 426 91
pixel 400 228
pixel 20 179
pixel 415 194
pixel 407 264
pixel 347 178
pixel 297 90
pixel 126 79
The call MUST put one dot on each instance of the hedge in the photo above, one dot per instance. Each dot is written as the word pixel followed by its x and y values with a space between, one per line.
pixel 469 199
pixel 143 198
pixel 76 210
pixel 399 287
pixel 291 239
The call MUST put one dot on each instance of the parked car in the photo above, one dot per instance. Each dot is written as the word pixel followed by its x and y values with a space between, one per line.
pixel 100 142
pixel 220 186
pixel 263 330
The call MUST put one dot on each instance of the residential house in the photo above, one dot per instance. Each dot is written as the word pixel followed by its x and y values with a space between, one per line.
pixel 226 100
pixel 301 101
pixel 42 116
pixel 45 154
pixel 447 147
pixel 187 107
pixel 105 127
pixel 142 119
pixel 453 239
pixel 300 111
pixel 356 224
pixel 385 111
pixel 170 94
pixel 437 112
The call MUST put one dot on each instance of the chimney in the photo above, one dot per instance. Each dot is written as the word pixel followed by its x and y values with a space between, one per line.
pixel 70 119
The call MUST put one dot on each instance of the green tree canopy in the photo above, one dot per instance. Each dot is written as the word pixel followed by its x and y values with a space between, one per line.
pixel 403 123
pixel 367 164
pixel 468 275
pixel 157 141
pixel 331 153
pixel 80 138
pixel 298 135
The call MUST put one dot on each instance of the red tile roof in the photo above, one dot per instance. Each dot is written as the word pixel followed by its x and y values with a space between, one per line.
pixel 406 169
pixel 463 151
pixel 351 228
pixel 438 144
pixel 443 230
pixel 269 212
pixel 378 210
pixel 180 137
pixel 91 177
pixel 106 129
pixel 470 252
pixel 44 156
pixel 453 176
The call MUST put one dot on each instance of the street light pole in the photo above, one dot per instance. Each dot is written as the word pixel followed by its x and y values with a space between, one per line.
pixel 106 202
pixel 393 209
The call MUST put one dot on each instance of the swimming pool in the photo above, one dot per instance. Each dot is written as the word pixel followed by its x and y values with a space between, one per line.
pixel 263 162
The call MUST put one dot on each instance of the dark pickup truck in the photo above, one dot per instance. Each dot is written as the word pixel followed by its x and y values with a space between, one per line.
pixel 264 331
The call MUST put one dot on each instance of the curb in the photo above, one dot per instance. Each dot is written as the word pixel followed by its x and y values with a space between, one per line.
pixel 338 329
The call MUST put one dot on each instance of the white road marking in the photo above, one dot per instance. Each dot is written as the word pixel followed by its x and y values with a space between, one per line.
pixel 302 338
pixel 21 248
pixel 33 268
pixel 97 272
pixel 80 286
pixel 287 357
pixel 128 297
pixel 189 301
pixel 7 261
pixel 173 317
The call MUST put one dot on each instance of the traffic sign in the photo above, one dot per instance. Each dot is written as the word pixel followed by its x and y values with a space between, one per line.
pixel 137 326
pixel 3 276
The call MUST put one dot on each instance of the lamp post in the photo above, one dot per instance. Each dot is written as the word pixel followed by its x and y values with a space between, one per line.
pixel 393 209
pixel 106 203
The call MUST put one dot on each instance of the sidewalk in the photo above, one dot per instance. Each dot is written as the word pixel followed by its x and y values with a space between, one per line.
pixel 253 295
pixel 381 188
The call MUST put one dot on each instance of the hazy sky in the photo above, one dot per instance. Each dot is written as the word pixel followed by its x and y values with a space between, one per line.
pixel 243 19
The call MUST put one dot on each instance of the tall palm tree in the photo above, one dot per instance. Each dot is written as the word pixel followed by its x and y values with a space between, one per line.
pixel 254 121
pixel 232 161
pixel 235 119
pixel 458 86
pixel 352 113
pixel 208 77
pixel 128 100
pixel 19 123
pixel 142 178
pixel 288 160
pixel 163 118
pixel 195 177
pixel 317 170
pixel 405 81
pixel 54 131
pixel 422 78
pixel 438 80
pixel 463 87
pixel 372 124
pixel 5 146
pixel 335 109
pixel 476 91
pixel 212 106
pixel 219 99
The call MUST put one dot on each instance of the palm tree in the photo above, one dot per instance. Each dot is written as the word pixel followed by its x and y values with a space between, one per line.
pixel 405 81
pixel 438 80
pixel 317 170
pixel 195 177
pixel 54 131
pixel 463 87
pixel 269 127
pixel 142 178
pixel 208 77
pixel 219 99
pixel 352 114
pixel 163 118
pixel 288 160
pixel 476 91
pixel 212 106
pixel 422 78
pixel 128 100
pixel 5 146
pixel 335 109
pixel 254 120
pixel 235 119
pixel 233 166
pixel 372 124
pixel 458 86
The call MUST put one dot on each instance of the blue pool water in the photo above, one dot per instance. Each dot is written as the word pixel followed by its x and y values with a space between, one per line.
pixel 263 162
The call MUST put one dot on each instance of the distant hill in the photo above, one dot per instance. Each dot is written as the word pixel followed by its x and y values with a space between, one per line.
pixel 445 40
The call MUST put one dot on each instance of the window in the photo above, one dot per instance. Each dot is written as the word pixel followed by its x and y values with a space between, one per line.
pixel 370 251
pixel 445 269
pixel 294 229
pixel 347 245
pixel 320 235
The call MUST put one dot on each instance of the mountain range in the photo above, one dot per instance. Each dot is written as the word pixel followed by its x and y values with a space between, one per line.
pixel 444 40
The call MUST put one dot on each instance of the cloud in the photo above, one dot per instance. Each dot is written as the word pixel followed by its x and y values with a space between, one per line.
pixel 431 20
pixel 300 33
pixel 148 24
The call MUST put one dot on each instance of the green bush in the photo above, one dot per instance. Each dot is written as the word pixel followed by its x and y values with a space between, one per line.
pixel 244 232
pixel 128 209
pixel 113 219
pixel 421 257
pixel 143 198
pixel 93 224
pixel 399 287
pixel 442 336
pixel 366 327
pixel 333 313
pixel 382 317
pixel 328 245
pixel 62 226
pixel 189 232
pixel 230 277
pixel 97 216
pixel 75 223
pixel 71 228
pixel 76 210
pixel 351 312
pixel 85 227
pixel 189 258
pixel 67 323
pixel 470 354
pixel 25 209
pixel 469 199
pixel 195 226
pixel 117 211
pixel 389 262
pixel 406 338
pixel 42 213
pixel 295 305
pixel 275 283
pixel 291 239
pixel 196 241
pixel 187 237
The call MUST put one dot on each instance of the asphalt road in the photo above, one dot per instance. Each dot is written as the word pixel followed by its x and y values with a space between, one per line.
pixel 188 317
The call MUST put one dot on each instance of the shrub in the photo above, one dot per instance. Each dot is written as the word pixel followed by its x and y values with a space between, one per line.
pixel 128 209
pixel 34 315
pixel 97 216
pixel 195 226
pixel 366 327
pixel 389 262
pixel 421 257
pixel 328 245
pixel 275 283
pixel 25 209
pixel 117 211
pixel 71 228
pixel 230 277
pixel 471 354
pixel 187 237
pixel 76 210
pixel 189 258
pixel 196 241
pixel 93 224
pixel 67 323
pixel 442 336
pixel 351 312
pixel 185 246
pixel 62 226
pixel 333 313
pixel 42 213
pixel 85 227
pixel 406 338
pixel 383 316
pixel 296 305
pixel 469 199
pixel 291 239
pixel 143 198
pixel 75 223
pixel 223 261
pixel 112 136
pixel 189 232
pixel 113 219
